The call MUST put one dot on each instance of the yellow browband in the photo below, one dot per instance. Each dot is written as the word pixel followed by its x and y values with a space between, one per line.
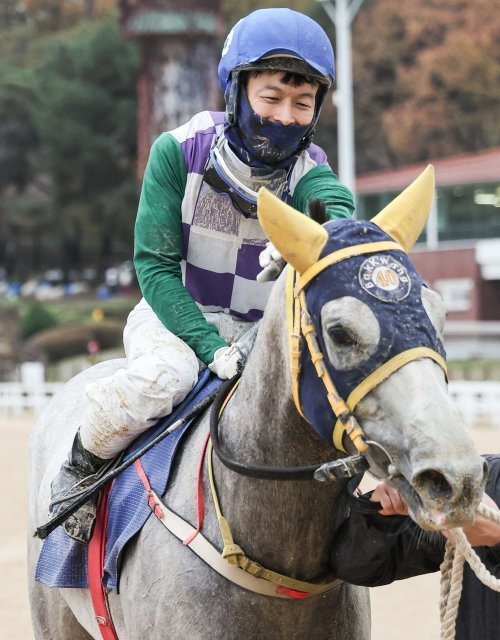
pixel 299 323
pixel 343 254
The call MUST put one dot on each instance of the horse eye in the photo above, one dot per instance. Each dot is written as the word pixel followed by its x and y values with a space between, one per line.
pixel 341 337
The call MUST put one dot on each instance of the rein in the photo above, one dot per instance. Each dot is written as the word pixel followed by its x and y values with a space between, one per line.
pixel 232 563
pixel 232 553
pixel 253 471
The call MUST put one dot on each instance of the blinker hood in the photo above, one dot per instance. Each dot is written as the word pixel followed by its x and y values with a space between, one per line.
pixel 390 286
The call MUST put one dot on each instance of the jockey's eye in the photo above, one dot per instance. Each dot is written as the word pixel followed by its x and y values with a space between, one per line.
pixel 340 337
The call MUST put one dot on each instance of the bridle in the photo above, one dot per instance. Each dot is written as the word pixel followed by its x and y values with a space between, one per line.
pixel 301 328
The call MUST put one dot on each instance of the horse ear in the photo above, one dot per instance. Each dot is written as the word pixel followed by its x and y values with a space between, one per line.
pixel 299 239
pixel 405 217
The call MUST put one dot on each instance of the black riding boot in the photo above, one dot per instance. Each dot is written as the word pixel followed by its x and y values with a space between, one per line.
pixel 78 472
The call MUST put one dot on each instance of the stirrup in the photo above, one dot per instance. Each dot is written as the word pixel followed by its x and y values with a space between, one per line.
pixel 80 525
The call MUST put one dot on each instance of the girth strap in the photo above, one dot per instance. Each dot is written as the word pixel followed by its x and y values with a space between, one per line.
pixel 209 554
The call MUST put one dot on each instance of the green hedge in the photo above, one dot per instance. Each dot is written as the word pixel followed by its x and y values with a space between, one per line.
pixel 36 319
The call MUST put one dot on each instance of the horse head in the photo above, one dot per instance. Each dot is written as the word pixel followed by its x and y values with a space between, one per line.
pixel 367 359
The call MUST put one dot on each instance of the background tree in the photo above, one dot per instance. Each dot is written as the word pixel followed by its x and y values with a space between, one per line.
pixel 11 13
pixel 427 80
pixel 54 15
pixel 18 144
pixel 85 113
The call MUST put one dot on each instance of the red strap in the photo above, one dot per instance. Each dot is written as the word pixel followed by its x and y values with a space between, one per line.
pixel 152 502
pixel 293 593
pixel 199 494
pixel 95 570
pixel 156 507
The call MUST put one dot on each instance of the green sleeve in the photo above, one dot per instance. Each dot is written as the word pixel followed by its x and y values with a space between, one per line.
pixel 158 249
pixel 321 183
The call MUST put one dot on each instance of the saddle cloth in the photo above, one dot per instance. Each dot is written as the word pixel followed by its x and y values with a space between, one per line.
pixel 63 561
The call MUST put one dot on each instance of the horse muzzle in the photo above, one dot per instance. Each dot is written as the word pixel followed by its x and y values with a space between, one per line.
pixel 442 496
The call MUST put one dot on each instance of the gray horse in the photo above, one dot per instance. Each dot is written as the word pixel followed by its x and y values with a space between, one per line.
pixel 402 421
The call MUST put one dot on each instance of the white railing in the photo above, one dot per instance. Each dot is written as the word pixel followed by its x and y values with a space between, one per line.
pixel 478 402
pixel 16 397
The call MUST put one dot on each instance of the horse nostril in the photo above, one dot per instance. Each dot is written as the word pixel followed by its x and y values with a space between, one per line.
pixel 436 485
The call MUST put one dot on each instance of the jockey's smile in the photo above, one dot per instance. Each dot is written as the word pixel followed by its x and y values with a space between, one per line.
pixel 282 103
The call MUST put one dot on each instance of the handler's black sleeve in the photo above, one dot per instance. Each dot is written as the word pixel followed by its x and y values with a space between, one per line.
pixel 372 550
pixel 479 609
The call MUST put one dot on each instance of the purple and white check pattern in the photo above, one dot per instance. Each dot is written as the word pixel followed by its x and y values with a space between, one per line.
pixel 221 247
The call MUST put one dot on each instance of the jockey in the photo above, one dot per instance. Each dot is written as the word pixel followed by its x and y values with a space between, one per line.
pixel 199 247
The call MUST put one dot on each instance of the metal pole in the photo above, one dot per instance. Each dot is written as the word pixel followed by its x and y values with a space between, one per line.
pixel 432 225
pixel 341 13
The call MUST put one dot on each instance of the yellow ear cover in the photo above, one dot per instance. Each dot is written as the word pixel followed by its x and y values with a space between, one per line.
pixel 404 218
pixel 299 239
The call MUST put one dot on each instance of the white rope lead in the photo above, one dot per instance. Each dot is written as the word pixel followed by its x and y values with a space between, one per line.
pixel 457 551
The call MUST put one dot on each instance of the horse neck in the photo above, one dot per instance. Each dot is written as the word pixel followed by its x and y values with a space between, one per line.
pixel 275 522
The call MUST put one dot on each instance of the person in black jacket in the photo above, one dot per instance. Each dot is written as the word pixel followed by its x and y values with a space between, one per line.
pixel 377 547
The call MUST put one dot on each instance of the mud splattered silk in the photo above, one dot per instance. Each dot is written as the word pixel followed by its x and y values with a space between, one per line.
pixel 193 250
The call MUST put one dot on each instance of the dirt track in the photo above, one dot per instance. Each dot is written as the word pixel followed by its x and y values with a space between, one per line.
pixel 406 609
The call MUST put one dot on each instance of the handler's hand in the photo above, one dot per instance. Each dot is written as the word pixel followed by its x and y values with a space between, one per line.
pixel 391 500
pixel 483 532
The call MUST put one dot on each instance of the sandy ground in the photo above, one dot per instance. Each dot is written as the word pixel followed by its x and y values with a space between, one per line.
pixel 406 609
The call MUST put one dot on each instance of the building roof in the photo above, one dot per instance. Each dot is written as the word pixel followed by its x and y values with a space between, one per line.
pixel 470 168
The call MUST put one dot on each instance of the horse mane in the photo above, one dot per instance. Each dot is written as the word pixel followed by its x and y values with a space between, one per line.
pixel 317 211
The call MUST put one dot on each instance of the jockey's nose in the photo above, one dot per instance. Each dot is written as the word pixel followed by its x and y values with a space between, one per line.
pixel 283 113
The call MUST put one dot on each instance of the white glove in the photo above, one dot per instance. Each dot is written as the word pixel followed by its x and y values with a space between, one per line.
pixel 225 362
pixel 271 262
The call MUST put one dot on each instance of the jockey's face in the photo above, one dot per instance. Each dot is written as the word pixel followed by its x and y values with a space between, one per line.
pixel 286 104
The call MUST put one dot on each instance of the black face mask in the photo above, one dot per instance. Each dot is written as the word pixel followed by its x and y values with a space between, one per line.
pixel 259 142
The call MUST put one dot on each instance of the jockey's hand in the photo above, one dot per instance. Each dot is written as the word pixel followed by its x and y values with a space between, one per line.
pixel 226 362
pixel 483 532
pixel 391 500
pixel 271 262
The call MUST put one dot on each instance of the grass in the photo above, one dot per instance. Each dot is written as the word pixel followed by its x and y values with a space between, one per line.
pixel 474 369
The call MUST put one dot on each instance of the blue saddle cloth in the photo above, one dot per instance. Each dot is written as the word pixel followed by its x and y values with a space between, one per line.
pixel 63 561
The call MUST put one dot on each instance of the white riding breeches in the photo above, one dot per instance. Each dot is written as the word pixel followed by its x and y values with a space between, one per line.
pixel 161 370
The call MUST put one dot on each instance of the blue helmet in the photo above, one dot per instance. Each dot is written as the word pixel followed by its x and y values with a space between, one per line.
pixel 277 32
pixel 276 39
